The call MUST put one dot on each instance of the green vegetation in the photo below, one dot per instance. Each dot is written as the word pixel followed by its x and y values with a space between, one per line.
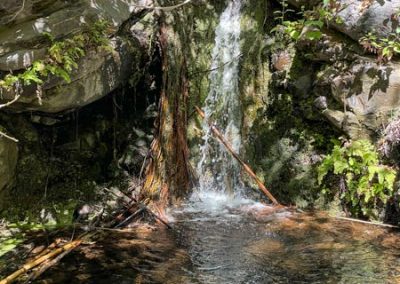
pixel 365 183
pixel 61 59
pixel 311 22
pixel 385 48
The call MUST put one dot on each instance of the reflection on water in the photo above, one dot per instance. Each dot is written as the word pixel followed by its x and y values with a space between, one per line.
pixel 246 243
pixel 288 247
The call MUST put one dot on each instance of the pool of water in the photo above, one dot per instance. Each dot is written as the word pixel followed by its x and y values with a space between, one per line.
pixel 237 241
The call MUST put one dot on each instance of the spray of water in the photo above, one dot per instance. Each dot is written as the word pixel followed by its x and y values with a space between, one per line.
pixel 218 171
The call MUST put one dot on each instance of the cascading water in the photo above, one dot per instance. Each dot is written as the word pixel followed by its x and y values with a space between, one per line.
pixel 217 170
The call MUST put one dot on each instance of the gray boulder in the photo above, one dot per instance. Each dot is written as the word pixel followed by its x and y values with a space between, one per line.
pixel 98 73
pixel 361 17
pixel 369 95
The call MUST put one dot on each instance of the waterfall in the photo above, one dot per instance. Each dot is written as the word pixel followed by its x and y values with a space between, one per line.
pixel 217 169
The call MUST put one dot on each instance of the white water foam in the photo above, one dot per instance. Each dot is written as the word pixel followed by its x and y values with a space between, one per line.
pixel 217 170
pixel 218 203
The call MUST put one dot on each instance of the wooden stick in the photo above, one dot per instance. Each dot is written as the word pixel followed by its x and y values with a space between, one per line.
pixel 16 97
pixel 130 217
pixel 67 247
pixel 46 250
pixel 367 222
pixel 45 266
pixel 246 167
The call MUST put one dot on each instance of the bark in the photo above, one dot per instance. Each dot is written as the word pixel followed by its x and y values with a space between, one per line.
pixel 167 175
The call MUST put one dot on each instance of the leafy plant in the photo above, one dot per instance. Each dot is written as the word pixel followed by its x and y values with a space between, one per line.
pixel 365 182
pixel 310 23
pixel 61 59
pixel 385 48
pixel 280 15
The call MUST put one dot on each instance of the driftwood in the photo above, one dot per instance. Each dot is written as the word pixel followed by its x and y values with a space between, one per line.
pixel 46 265
pixel 53 254
pixel 245 166
pixel 36 262
pixel 367 222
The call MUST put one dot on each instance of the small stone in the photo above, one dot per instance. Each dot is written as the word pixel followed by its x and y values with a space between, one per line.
pixel 321 103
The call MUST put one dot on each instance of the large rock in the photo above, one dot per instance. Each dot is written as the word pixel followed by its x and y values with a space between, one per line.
pixel 359 17
pixel 70 19
pixel 369 95
pixel 17 11
pixel 98 73
pixel 8 162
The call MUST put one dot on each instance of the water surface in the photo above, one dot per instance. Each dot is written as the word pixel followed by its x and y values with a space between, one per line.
pixel 224 240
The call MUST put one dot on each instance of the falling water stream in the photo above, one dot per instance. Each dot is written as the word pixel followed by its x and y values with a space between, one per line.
pixel 217 169
pixel 220 235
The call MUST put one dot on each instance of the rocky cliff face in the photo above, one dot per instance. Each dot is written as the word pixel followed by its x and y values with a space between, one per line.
pixel 100 73
pixel 294 97
pixel 315 90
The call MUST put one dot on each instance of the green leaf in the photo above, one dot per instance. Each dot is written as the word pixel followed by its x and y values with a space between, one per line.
pixel 294 34
pixel 339 166
pixel 63 74
pixel 314 23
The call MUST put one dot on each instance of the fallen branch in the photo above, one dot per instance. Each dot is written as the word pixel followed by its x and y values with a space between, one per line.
pixel 130 217
pixel 246 167
pixel 46 250
pixel 16 98
pixel 67 247
pixel 46 265
pixel 367 222
pixel 2 134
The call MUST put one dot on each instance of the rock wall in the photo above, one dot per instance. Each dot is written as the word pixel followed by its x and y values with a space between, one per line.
pixel 318 90
pixel 99 73
pixel 60 144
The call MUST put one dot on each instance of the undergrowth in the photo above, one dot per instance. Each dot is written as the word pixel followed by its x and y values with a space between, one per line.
pixel 363 183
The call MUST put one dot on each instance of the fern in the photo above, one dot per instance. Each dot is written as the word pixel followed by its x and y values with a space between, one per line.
pixel 368 183
pixel 62 58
